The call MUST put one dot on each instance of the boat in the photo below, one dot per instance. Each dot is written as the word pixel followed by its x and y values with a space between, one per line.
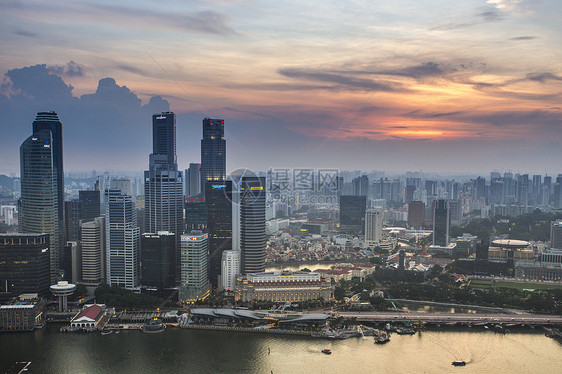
pixel 106 332
pixel 154 325
pixel 458 363
pixel 405 331
pixel 327 351
pixel 382 339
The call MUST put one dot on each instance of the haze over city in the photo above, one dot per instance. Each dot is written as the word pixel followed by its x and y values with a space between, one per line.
pixel 436 86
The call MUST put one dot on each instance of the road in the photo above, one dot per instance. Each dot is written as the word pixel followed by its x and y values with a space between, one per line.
pixel 496 318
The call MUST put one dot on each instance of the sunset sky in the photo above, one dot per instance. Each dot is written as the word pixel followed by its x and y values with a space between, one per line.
pixel 395 85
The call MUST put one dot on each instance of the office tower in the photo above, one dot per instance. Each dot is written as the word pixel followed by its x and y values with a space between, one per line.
pixel 213 152
pixel 218 198
pixel 230 269
pixel 373 227
pixel 164 136
pixel 194 267
pixel 441 222
pixel 547 189
pixel 163 182
pixel 72 220
pixel 360 185
pixel 158 259
pixel 455 212
pixel 556 234
pixel 122 240
pixel 410 189
pixel 50 121
pixel 193 180
pixel 24 265
pixel 39 210
pixel 195 213
pixel 557 193
pixel 352 214
pixel 431 187
pixel 416 214
pixel 92 241
pixel 71 261
pixel 252 224
pixel 479 188
pixel 89 204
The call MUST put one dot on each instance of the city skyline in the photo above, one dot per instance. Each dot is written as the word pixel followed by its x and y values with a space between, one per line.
pixel 435 86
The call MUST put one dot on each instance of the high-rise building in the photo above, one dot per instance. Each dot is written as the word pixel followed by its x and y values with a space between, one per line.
pixel 194 267
pixel 352 214
pixel 193 180
pixel 122 240
pixel 252 224
pixel 40 209
pixel 195 213
pixel 441 222
pixel 230 269
pixel 213 152
pixel 72 220
pixel 360 185
pixel 556 234
pixel 164 136
pixel 158 259
pixel 89 204
pixel 373 226
pixel 24 265
pixel 416 214
pixel 218 198
pixel 163 183
pixel 92 241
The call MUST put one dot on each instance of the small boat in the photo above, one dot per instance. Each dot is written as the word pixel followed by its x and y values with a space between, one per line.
pixel 106 332
pixel 458 363
pixel 405 331
pixel 327 351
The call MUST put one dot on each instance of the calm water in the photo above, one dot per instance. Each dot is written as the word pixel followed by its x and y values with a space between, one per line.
pixel 182 351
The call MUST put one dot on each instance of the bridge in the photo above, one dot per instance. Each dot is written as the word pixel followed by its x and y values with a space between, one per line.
pixel 455 318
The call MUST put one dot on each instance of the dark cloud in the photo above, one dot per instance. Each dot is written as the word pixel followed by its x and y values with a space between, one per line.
pixel 427 69
pixel 110 124
pixel 72 69
pixel 485 15
pixel 523 38
pixel 543 77
pixel 339 80
pixel 421 114
pixel 398 127
pixel 535 119
pixel 25 33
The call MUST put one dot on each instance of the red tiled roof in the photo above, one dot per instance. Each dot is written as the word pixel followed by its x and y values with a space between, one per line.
pixel 91 312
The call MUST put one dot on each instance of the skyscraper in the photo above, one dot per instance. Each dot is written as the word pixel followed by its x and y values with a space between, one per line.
pixel 213 152
pixel 41 210
pixel 89 204
pixel 122 240
pixel 252 224
pixel 163 190
pixel 158 259
pixel 218 198
pixel 556 234
pixel 92 241
pixel 352 214
pixel 194 267
pixel 416 214
pixel 373 226
pixel 193 180
pixel 441 222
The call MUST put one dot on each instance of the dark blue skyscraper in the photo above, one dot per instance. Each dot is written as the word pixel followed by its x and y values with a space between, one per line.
pixel 213 152
pixel 164 136
pixel 252 224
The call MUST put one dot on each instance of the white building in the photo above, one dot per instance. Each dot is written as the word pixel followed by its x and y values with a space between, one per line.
pixel 194 267
pixel 230 268
pixel 373 227
pixel 92 238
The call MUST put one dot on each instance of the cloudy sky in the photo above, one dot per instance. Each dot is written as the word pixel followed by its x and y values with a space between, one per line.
pixel 395 85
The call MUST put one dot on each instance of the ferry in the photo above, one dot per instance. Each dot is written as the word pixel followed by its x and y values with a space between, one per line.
pixel 405 331
pixel 106 332
pixel 154 325
pixel 458 363
pixel 327 351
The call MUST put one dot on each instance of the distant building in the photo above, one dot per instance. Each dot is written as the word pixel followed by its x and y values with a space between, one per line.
pixel 24 264
pixel 193 180
pixel 441 223
pixel 373 226
pixel 283 287
pixel 194 267
pixel 556 234
pixel 218 198
pixel 90 205
pixel 416 214
pixel 195 213
pixel 158 259
pixel 352 214
pixel 213 152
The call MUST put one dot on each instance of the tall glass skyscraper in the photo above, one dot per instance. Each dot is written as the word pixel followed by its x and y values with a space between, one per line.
pixel 122 240
pixel 41 210
pixel 163 183
pixel 213 152
pixel 218 198
pixel 441 222
pixel 252 224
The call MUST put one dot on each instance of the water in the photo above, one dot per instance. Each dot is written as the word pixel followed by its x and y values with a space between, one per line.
pixel 192 351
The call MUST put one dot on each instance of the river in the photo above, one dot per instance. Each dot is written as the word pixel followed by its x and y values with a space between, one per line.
pixel 192 351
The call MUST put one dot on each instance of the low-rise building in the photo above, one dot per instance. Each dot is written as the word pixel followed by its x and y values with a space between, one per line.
pixel 24 314
pixel 283 286
pixel 89 318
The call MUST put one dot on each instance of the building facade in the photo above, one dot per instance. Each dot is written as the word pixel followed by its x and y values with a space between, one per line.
pixel 230 268
pixel 373 226
pixel 194 267
pixel 441 223
pixel 158 259
pixel 352 214
pixel 218 198
pixel 92 241
pixel 213 152
pixel 252 224
pixel 283 286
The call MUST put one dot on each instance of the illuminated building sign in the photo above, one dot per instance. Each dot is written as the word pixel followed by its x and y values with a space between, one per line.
pixel 215 186
pixel 161 117
pixel 258 188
